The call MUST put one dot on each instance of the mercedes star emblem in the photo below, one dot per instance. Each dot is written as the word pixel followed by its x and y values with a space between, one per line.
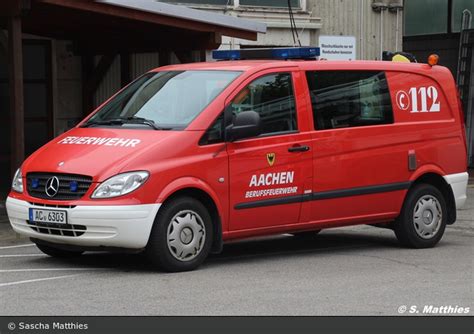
pixel 52 186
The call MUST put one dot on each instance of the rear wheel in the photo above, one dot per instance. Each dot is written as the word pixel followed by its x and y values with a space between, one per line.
pixel 181 236
pixel 57 252
pixel 423 218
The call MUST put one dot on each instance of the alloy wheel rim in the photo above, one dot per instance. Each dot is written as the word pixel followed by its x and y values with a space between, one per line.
pixel 186 235
pixel 427 216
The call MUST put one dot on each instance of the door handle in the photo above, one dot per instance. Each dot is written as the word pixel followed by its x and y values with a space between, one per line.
pixel 295 149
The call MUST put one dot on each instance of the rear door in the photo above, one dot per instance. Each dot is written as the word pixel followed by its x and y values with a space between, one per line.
pixel 359 165
pixel 268 174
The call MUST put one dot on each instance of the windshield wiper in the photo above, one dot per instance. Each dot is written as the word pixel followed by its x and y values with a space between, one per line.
pixel 126 120
pixel 140 120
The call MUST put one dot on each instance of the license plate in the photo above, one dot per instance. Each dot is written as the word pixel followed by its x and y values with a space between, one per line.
pixel 48 216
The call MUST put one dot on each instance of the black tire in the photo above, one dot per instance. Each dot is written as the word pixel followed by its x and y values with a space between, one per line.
pixel 306 235
pixel 160 254
pixel 405 226
pixel 57 252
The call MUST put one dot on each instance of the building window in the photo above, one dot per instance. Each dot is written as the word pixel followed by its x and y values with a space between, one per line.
pixel 270 3
pixel 425 17
pixel 258 3
pixel 458 7
pixel 344 99
pixel 203 2
pixel 272 97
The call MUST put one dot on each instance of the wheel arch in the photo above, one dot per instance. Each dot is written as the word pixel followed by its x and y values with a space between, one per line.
pixel 436 179
pixel 206 196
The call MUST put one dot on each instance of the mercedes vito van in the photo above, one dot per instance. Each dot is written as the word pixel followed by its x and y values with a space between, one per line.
pixel 190 156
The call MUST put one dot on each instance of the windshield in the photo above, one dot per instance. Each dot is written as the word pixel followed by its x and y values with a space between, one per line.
pixel 163 100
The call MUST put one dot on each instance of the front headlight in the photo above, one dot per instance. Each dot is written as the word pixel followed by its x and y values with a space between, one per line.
pixel 17 184
pixel 121 184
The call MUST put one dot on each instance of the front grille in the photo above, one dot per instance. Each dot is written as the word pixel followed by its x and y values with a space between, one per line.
pixel 71 186
pixel 67 230
pixel 53 205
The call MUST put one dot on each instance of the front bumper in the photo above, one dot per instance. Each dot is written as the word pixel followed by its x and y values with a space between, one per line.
pixel 123 226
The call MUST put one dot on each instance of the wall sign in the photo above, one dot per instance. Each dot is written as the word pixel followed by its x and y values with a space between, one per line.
pixel 338 47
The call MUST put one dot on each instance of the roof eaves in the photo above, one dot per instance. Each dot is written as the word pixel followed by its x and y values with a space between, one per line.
pixel 187 13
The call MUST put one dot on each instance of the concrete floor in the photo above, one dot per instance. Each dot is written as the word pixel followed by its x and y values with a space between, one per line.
pixel 350 271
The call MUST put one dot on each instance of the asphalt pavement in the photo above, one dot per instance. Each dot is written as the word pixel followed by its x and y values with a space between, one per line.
pixel 348 271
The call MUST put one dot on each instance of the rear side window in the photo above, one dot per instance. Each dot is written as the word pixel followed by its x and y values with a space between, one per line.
pixel 344 99
pixel 272 97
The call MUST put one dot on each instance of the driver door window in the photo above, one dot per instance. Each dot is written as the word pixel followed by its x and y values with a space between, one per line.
pixel 272 97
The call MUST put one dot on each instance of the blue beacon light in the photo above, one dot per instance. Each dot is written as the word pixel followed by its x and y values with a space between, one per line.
pixel 308 53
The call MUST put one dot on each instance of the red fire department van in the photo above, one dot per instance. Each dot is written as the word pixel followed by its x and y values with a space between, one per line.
pixel 190 156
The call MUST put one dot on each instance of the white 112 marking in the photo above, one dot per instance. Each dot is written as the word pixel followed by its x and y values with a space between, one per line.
pixel 424 93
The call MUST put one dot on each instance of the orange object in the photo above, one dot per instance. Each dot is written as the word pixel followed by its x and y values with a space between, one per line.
pixel 433 59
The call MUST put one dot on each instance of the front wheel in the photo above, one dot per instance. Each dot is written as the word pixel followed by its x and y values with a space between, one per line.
pixel 423 218
pixel 181 236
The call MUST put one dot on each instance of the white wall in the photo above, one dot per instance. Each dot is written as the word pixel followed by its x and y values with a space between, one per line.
pixel 278 24
pixel 322 17
pixel 357 18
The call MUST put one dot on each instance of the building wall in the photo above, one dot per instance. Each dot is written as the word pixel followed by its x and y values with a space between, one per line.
pixel 322 17
pixel 278 27
pixel 68 82
pixel 276 18
pixel 357 18
pixel 140 63
pixel 445 46
pixel 67 86
pixel 5 148
pixel 433 26
pixel 143 62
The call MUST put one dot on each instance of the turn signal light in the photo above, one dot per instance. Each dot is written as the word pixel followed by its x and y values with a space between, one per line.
pixel 433 60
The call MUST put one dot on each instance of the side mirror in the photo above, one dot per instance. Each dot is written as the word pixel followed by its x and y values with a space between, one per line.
pixel 245 125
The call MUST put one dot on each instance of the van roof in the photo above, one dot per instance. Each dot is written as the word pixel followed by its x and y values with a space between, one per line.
pixel 233 65
pixel 254 65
